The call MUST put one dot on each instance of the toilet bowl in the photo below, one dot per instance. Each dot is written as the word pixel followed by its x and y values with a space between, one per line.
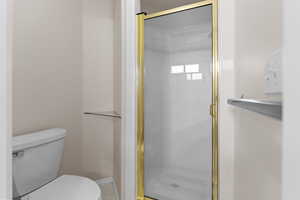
pixel 67 187
pixel 36 162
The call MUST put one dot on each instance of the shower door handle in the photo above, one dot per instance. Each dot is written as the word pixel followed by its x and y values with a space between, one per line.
pixel 212 110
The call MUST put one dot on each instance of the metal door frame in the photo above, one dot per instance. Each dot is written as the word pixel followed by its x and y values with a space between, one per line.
pixel 141 17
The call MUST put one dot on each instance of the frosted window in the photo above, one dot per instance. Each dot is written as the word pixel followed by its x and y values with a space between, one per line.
pixel 177 69
pixel 192 68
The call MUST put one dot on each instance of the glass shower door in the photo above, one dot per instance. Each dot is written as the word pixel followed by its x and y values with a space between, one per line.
pixel 178 73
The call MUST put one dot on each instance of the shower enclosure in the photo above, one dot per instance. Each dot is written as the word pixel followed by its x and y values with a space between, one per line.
pixel 177 104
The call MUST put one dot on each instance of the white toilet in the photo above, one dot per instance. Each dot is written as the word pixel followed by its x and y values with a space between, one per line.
pixel 36 162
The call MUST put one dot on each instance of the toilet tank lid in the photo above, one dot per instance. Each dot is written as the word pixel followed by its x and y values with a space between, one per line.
pixel 37 138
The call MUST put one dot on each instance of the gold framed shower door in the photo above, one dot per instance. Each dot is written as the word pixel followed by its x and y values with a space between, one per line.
pixel 140 95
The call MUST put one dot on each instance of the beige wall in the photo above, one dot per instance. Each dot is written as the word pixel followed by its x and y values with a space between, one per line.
pixel 47 72
pixel 227 90
pixel 5 99
pixel 117 93
pixel 65 63
pixel 291 71
pixel 257 138
pixel 98 87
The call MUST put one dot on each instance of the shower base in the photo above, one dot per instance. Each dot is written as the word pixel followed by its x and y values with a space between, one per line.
pixel 170 185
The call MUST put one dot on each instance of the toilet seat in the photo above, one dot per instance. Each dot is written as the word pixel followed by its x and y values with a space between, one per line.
pixel 67 187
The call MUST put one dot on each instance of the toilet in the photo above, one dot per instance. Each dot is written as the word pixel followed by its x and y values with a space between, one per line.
pixel 36 162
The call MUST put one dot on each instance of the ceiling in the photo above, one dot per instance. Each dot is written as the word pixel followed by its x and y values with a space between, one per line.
pixel 151 6
pixel 195 17
pixel 184 31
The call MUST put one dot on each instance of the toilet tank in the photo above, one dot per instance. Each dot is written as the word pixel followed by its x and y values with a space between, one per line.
pixel 36 159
